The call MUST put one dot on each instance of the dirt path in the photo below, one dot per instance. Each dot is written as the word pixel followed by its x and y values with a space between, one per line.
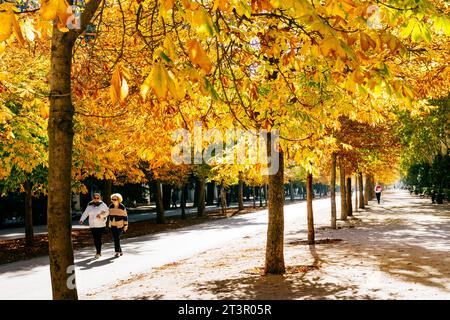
pixel 397 250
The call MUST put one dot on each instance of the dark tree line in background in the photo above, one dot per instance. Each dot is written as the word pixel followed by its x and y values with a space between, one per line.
pixel 426 156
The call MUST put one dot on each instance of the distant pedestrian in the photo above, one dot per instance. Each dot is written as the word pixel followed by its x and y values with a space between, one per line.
pixel 118 219
pixel 98 212
pixel 174 198
pixel 378 190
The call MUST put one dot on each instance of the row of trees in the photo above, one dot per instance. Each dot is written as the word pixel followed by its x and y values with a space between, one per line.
pixel 426 156
pixel 330 76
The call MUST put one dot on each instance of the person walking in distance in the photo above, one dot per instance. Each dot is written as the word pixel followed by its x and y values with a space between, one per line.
pixel 378 192
pixel 118 218
pixel 98 212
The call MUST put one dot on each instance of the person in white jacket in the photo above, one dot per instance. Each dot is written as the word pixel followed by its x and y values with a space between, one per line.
pixel 98 212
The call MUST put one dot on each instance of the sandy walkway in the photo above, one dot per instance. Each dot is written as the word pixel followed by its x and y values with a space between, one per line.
pixel 397 250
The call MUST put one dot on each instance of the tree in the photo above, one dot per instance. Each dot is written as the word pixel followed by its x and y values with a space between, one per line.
pixel 275 231
pixel 333 191
pixel 24 143
pixel 309 191
pixel 241 192
pixel 348 193
pixel 343 188
pixel 361 191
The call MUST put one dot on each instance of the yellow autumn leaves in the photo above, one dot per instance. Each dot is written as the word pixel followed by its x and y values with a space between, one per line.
pixel 119 84
pixel 162 81
pixel 198 56
pixel 8 23
pixel 50 10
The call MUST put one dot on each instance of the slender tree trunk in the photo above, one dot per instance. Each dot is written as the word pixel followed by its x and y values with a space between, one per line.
pixel 291 190
pixel 343 193
pixel 160 218
pixel 223 200
pixel 333 191
pixel 183 201
pixel 356 193
pixel 372 186
pixel 361 191
pixel 265 194
pixel 254 196
pixel 241 192
pixel 366 191
pixel 260 196
pixel 29 235
pixel 369 188
pixel 166 196
pixel 108 192
pixel 349 196
pixel 60 135
pixel 274 263
pixel 196 191
pixel 210 193
pixel 309 205
pixel 201 198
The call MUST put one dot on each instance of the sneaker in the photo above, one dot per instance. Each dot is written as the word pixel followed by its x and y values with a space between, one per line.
pixel 117 254
pixel 97 256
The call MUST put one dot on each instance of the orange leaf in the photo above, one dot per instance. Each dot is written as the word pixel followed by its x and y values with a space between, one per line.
pixel 198 56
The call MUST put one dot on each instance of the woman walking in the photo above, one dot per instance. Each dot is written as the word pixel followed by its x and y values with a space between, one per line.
pixel 378 190
pixel 118 219
pixel 97 211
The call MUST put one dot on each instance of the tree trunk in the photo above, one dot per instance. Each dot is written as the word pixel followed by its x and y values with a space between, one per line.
pixel 333 191
pixel 291 190
pixel 183 201
pixel 196 191
pixel 60 139
pixel 265 194
pixel 356 193
pixel 343 193
pixel 160 218
pixel 223 200
pixel 372 186
pixel 108 192
pixel 241 192
pixel 366 191
pixel 60 135
pixel 29 235
pixel 254 196
pixel 166 196
pixel 349 196
pixel 201 198
pixel 361 191
pixel 210 193
pixel 274 263
pixel 260 196
pixel 309 198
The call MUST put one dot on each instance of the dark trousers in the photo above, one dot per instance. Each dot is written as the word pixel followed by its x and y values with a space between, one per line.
pixel 378 194
pixel 97 234
pixel 116 232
